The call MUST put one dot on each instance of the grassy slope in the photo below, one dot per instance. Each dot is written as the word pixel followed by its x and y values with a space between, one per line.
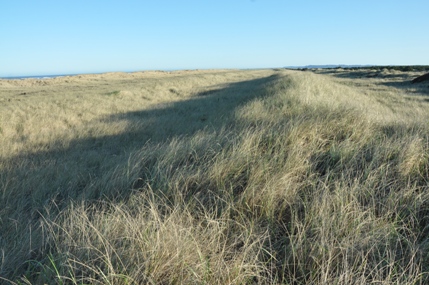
pixel 217 177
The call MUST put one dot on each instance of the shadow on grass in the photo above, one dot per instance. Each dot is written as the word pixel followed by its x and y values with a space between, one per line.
pixel 35 181
pixel 400 81
pixel 419 89
pixel 35 186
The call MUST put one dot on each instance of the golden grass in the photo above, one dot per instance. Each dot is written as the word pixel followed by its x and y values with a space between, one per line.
pixel 216 177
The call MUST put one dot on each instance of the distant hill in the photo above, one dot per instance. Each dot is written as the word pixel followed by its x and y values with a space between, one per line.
pixel 328 66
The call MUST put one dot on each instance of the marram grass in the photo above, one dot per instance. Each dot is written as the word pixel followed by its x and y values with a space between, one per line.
pixel 221 177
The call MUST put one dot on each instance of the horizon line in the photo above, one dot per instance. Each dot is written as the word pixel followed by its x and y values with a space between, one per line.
pixel 53 75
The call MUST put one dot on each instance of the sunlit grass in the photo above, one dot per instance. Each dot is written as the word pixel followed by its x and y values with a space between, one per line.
pixel 228 177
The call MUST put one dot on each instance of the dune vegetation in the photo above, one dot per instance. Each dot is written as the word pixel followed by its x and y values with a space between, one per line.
pixel 215 177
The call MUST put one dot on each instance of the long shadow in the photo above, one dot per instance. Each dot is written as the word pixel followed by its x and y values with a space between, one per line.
pixel 40 185
pixel 206 109
pixel 60 175
pixel 401 81
pixel 419 89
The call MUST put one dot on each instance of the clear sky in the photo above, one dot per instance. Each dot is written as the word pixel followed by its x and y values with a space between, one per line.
pixel 84 36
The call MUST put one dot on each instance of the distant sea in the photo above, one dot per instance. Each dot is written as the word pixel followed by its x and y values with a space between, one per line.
pixel 73 74
pixel 37 76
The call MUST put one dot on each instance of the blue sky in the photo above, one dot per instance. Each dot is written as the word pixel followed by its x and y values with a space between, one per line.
pixel 84 36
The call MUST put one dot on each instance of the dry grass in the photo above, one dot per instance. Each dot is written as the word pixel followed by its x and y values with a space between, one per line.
pixel 216 177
